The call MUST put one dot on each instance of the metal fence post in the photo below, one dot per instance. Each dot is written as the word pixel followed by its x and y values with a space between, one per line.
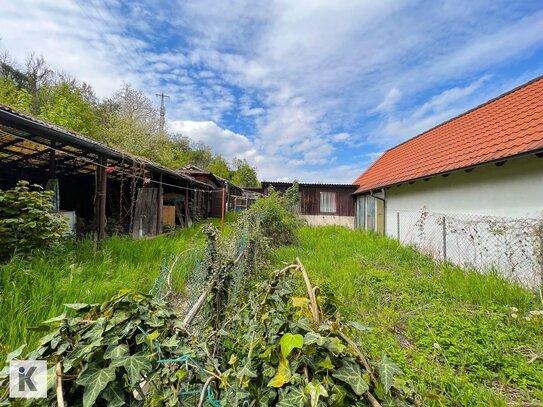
pixel 398 223
pixel 444 239
pixel 541 258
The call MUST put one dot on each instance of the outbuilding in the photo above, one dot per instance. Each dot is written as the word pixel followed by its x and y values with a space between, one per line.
pixel 321 204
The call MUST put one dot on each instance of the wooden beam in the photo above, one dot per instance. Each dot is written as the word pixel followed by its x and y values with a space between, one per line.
pixel 100 200
pixel 31 156
pixel 159 206
pixel 10 143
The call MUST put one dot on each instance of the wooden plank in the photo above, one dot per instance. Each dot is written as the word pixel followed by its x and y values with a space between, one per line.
pixel 168 215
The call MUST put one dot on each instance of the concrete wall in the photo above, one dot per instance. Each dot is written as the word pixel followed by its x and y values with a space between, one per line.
pixel 513 190
pixel 329 220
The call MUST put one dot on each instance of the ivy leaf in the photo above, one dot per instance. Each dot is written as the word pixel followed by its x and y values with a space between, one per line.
pixel 326 363
pixel 387 370
pixel 315 391
pixel 134 366
pixel 289 342
pixel 313 337
pixel 336 346
pixel 94 379
pixel 170 342
pixel 246 371
pixel 350 374
pixel 16 353
pixel 294 398
pixel 282 376
pixel 79 306
pixel 116 352
pixel 114 394
pixel 338 395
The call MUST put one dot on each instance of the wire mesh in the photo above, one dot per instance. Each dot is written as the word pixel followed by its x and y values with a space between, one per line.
pixel 511 247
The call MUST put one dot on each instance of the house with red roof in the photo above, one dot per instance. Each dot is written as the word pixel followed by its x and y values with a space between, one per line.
pixel 487 161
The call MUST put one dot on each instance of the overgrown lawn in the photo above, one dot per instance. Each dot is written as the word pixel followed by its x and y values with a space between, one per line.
pixel 461 337
pixel 34 288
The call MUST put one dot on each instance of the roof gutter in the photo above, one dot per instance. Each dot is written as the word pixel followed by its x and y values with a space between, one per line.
pixel 537 152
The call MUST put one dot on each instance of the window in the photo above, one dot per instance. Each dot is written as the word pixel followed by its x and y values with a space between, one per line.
pixel 360 211
pixel 370 213
pixel 328 202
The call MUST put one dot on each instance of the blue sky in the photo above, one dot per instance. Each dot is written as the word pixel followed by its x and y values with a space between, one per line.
pixel 313 90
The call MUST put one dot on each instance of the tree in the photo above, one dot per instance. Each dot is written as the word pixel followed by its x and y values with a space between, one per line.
pixel 14 97
pixel 132 104
pixel 244 174
pixel 69 105
pixel 220 167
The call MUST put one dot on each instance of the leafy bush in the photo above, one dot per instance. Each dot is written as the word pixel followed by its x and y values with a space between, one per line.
pixel 274 214
pixel 25 220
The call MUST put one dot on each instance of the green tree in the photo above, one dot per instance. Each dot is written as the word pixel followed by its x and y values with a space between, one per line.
pixel 71 106
pixel 244 174
pixel 220 167
pixel 14 97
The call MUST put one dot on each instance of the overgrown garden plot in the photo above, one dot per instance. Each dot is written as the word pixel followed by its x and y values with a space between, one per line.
pixel 463 338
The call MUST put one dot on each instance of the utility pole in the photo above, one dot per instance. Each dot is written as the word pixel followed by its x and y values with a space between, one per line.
pixel 162 110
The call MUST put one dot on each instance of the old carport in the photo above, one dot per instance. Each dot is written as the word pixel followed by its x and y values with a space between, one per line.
pixel 105 189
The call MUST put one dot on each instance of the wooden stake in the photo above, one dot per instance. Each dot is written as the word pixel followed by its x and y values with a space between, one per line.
pixel 60 396
pixel 159 205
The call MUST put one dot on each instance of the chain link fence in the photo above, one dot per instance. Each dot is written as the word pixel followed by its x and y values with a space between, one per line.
pixel 511 247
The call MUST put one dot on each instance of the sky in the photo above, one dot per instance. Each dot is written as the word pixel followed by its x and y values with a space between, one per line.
pixel 308 90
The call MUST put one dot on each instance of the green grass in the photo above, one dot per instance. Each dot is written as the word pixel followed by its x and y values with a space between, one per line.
pixel 34 288
pixel 451 330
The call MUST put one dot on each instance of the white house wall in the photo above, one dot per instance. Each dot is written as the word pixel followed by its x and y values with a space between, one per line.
pixel 491 215
pixel 514 189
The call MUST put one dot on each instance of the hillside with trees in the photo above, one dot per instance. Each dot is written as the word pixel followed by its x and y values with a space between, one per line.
pixel 128 120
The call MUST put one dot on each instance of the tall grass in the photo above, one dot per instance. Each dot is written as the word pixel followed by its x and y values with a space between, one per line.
pixel 34 288
pixel 460 336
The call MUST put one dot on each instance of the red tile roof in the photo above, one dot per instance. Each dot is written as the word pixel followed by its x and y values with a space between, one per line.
pixel 510 125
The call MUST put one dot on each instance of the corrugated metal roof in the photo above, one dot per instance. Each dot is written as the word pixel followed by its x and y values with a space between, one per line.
pixel 9 115
pixel 507 126
pixel 306 184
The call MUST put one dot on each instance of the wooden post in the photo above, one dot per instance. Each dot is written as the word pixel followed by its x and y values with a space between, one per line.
pixel 222 211
pixel 187 208
pixel 100 201
pixel 159 206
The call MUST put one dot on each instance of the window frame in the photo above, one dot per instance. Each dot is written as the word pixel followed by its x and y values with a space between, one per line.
pixel 334 206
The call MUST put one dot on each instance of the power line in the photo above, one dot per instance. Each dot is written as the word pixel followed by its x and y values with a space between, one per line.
pixel 162 110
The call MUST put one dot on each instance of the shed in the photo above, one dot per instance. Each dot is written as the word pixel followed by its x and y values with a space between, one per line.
pixel 108 190
pixel 321 204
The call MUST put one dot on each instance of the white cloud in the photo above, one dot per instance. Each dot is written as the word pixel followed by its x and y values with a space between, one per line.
pixel 340 137
pixel 225 142
pixel 389 102
pixel 301 80
pixel 439 108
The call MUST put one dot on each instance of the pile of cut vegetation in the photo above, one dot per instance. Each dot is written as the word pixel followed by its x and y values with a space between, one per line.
pixel 247 339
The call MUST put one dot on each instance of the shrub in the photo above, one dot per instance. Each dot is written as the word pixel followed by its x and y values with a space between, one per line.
pixel 26 222
pixel 275 216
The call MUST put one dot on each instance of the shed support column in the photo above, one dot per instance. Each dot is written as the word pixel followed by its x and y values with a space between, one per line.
pixel 159 206
pixel 100 202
